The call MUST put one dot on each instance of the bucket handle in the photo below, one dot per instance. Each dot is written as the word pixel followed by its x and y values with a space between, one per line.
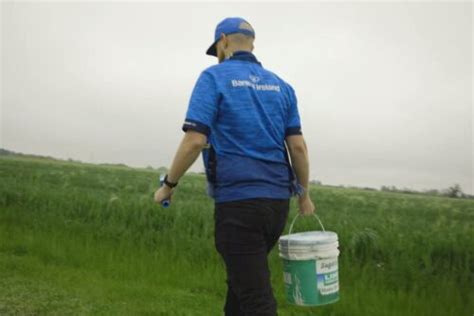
pixel 293 223
pixel 298 214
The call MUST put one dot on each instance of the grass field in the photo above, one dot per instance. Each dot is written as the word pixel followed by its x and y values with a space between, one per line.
pixel 80 239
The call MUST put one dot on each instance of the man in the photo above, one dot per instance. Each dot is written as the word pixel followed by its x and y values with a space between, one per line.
pixel 240 116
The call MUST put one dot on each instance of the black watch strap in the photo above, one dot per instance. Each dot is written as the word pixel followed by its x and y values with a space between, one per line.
pixel 170 184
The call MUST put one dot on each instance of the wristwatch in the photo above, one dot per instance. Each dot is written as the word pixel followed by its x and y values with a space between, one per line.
pixel 170 184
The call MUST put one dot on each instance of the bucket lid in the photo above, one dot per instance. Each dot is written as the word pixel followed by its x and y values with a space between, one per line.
pixel 308 238
pixel 306 248
pixel 309 255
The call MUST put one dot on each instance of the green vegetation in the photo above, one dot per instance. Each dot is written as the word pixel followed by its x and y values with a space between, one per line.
pixel 84 239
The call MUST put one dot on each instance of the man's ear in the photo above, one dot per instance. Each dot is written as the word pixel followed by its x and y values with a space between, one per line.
pixel 224 40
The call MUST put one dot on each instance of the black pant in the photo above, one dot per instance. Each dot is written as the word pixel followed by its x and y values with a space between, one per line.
pixel 245 232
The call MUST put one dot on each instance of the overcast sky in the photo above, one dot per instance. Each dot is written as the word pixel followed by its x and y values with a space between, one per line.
pixel 384 90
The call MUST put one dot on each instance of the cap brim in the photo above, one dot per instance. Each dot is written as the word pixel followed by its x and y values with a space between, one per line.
pixel 212 50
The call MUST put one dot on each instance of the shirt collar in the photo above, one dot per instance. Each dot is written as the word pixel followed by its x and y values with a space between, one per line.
pixel 244 56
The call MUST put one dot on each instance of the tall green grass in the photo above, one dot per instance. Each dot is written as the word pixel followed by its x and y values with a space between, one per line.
pixel 85 239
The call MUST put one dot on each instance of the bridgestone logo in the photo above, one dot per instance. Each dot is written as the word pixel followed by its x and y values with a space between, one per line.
pixel 260 87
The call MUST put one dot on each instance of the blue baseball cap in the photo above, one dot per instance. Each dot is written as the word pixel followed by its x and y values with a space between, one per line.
pixel 230 26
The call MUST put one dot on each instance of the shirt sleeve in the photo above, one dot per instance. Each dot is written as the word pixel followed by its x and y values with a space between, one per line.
pixel 293 125
pixel 202 109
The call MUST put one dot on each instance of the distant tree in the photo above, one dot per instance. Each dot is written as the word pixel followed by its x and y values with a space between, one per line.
pixel 454 191
pixel 388 188
pixel 431 192
pixel 407 190
pixel 5 152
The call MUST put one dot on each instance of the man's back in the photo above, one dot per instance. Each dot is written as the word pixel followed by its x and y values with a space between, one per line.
pixel 247 111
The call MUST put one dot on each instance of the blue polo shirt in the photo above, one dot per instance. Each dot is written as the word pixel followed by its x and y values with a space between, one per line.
pixel 246 111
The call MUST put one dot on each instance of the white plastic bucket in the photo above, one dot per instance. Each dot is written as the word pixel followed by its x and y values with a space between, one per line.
pixel 310 265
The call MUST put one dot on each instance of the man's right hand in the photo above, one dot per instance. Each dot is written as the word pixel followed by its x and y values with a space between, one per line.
pixel 306 206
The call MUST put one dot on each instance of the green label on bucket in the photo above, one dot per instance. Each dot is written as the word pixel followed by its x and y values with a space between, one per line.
pixel 327 276
pixel 311 282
